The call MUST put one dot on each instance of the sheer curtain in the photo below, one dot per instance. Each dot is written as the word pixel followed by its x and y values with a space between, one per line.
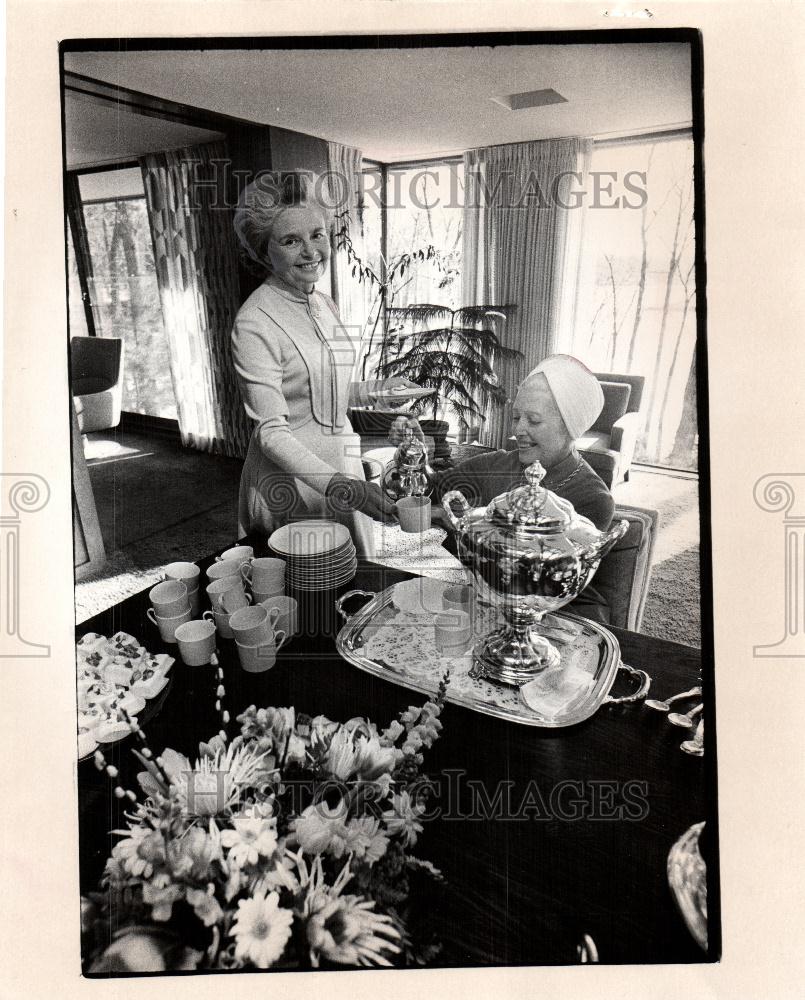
pixel 519 204
pixel 197 274
pixel 345 165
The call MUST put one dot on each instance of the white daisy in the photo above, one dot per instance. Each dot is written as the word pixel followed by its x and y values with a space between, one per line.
pixel 251 837
pixel 261 930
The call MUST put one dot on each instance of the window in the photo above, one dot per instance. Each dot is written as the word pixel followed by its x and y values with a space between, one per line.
pixel 425 209
pixel 123 286
pixel 418 208
pixel 636 295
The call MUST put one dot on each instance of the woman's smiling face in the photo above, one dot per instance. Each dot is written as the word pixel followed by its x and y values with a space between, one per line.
pixel 538 425
pixel 299 247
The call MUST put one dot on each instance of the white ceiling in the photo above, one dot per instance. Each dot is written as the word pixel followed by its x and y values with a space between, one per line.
pixel 103 133
pixel 405 104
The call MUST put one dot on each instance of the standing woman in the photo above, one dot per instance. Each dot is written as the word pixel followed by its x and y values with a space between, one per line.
pixel 294 361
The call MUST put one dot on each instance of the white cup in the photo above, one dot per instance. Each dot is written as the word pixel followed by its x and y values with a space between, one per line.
pixel 221 619
pixel 196 642
pixel 457 597
pixel 414 514
pixel 169 598
pixel 266 575
pixel 256 658
pixel 187 572
pixel 453 632
pixel 241 553
pixel 227 567
pixel 288 619
pixel 253 626
pixel 261 596
pixel 167 626
pixel 194 596
pixel 227 594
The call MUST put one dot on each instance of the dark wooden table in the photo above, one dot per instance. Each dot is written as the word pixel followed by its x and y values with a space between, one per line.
pixel 544 835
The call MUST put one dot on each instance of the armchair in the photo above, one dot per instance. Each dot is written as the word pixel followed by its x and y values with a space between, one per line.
pixel 96 379
pixel 610 443
pixel 624 575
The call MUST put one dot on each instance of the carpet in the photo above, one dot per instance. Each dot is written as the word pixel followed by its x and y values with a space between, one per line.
pixel 154 486
pixel 673 608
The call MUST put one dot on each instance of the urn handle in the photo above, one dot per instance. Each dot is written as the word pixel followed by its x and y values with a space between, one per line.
pixel 455 496
pixel 610 537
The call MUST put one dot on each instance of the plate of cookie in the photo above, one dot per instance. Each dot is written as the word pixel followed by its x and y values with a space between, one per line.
pixel 115 678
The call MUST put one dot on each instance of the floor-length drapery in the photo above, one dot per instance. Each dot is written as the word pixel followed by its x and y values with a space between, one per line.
pixel 345 176
pixel 197 274
pixel 519 201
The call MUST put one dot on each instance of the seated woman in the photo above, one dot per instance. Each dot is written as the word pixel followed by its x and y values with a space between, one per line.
pixel 555 404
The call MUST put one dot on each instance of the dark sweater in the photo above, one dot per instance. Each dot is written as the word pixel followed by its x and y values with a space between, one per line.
pixel 482 478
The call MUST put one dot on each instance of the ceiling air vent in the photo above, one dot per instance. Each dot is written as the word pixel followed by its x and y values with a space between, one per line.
pixel 530 99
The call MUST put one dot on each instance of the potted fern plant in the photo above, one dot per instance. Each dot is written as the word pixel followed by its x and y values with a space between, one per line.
pixel 453 351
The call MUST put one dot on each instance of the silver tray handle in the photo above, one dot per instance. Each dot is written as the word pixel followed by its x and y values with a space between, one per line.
pixel 639 694
pixel 339 604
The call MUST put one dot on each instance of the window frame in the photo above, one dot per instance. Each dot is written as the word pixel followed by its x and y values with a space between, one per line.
pixel 74 203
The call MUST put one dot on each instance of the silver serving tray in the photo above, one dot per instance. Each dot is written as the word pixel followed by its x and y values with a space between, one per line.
pixel 392 637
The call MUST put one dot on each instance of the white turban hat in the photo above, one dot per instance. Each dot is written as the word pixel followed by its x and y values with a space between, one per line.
pixel 577 391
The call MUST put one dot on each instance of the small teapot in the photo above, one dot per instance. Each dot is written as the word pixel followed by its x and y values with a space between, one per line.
pixel 408 473
pixel 529 552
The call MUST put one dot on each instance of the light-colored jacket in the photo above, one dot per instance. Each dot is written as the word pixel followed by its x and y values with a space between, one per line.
pixel 295 361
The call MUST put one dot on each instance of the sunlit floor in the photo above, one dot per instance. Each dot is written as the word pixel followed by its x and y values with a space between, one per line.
pixel 158 501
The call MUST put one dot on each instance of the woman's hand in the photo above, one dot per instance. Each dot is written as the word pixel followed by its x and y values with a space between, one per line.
pixel 344 494
pixel 399 425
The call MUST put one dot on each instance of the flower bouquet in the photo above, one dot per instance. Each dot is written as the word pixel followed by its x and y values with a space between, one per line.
pixel 287 848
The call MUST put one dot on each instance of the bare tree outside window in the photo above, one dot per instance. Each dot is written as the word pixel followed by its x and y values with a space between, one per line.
pixel 636 299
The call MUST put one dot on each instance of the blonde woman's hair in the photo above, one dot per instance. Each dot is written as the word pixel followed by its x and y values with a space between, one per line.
pixel 263 201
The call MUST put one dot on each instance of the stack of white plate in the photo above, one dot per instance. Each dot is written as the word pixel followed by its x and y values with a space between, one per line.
pixel 319 555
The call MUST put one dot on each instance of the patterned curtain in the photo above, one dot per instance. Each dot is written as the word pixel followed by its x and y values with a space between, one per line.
pixel 345 164
pixel 515 245
pixel 197 273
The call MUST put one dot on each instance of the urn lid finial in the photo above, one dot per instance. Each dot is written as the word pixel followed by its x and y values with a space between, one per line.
pixel 532 506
